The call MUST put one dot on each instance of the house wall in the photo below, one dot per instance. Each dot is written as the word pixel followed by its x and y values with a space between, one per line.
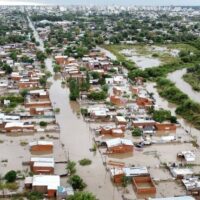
pixel 42 189
pixel 150 186
pixel 143 124
pixel 117 179
pixel 117 92
pixel 42 148
pixel 52 193
pixel 33 111
pixel 38 104
pixel 28 85
pixel 143 102
pixel 120 149
pixel 42 170
pixel 116 101
pixel 165 127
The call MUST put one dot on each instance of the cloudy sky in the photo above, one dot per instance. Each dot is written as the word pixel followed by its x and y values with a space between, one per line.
pixel 110 2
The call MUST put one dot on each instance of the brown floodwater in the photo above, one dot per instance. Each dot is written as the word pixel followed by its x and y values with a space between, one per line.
pixel 177 78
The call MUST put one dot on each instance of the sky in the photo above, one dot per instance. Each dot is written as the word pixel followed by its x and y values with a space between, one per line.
pixel 109 2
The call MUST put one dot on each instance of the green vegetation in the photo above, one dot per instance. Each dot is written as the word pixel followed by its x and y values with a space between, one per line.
pixel 24 93
pixel 12 186
pixel 137 132
pixel 85 162
pixel 82 196
pixel 5 67
pixel 57 68
pixel 77 182
pixel 35 196
pixel 97 96
pixel 15 100
pixel 74 90
pixel 26 59
pixel 57 110
pixel 43 124
pixel 11 176
pixel 193 77
pixel 163 115
pixel 125 181
pixel 40 56
pixel 84 112
pixel 71 167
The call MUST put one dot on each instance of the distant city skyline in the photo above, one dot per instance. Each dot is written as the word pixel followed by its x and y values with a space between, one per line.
pixel 106 2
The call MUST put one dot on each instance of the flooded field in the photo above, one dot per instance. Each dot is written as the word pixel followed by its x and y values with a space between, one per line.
pixel 141 61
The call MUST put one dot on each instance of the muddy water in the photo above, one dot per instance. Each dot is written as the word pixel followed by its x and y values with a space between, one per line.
pixel 76 137
pixel 35 33
pixel 187 128
pixel 176 77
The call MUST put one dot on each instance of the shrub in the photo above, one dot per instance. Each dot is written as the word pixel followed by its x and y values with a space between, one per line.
pixel 97 96
pixel 35 196
pixel 85 162
pixel 137 132
pixel 82 196
pixel 43 124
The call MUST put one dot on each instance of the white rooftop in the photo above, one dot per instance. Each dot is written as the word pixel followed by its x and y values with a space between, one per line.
pixel 40 142
pixel 117 142
pixel 51 181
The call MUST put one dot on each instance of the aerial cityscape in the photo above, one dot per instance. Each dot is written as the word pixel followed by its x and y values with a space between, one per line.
pixel 100 100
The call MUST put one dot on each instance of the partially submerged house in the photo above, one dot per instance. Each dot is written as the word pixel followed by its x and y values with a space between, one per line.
pixel 42 165
pixel 189 156
pixel 41 146
pixel 112 131
pixel 118 173
pixel 119 145
pixel 181 173
pixel 192 185
pixel 46 184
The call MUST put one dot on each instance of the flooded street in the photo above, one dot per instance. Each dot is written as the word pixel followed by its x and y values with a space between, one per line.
pixel 176 77
pixel 76 137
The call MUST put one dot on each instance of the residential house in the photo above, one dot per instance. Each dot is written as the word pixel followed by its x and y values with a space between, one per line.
pixel 46 184
pixel 119 145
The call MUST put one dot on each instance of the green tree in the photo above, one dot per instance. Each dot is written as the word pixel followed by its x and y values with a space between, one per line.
pixel 137 132
pixel 56 68
pixel 24 93
pixel 161 115
pixel 77 182
pixel 74 90
pixel 11 176
pixel 97 96
pixel 40 56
